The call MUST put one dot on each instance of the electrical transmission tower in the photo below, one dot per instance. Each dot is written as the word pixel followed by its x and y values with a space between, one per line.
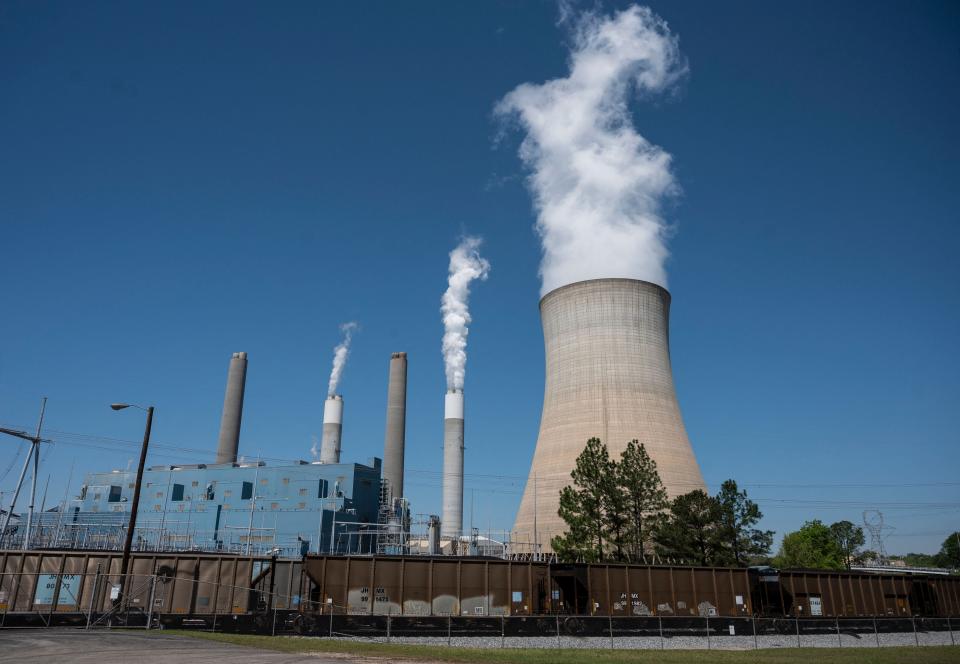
pixel 873 522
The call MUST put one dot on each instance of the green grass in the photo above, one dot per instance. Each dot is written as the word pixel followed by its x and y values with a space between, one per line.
pixel 394 652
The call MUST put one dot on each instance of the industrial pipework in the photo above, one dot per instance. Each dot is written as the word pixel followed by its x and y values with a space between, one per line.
pixel 229 441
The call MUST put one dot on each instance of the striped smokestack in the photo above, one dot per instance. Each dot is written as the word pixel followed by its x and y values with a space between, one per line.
pixel 229 440
pixel 332 429
pixel 451 524
pixel 395 436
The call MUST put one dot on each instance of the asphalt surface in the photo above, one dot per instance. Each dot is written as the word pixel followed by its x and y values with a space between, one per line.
pixel 98 647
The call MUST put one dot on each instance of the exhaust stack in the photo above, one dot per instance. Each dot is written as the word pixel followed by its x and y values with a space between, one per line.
pixel 451 524
pixel 332 429
pixel 394 438
pixel 229 440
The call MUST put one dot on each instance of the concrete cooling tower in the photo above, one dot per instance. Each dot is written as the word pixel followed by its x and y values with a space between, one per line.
pixel 608 376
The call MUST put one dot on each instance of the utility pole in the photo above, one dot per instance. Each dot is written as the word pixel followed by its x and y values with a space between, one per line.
pixel 132 524
pixel 35 456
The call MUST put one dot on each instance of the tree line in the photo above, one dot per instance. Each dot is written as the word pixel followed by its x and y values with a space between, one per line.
pixel 618 510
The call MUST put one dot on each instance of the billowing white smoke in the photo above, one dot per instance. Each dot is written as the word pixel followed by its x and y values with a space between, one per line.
pixel 340 354
pixel 597 183
pixel 315 447
pixel 465 266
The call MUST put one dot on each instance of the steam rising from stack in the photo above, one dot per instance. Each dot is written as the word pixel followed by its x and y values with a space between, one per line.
pixel 596 182
pixel 466 264
pixel 340 354
pixel 333 406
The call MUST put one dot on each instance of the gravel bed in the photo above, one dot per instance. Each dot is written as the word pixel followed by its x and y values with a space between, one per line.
pixel 739 642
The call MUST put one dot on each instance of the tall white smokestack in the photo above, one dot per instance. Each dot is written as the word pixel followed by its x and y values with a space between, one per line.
pixel 229 440
pixel 466 264
pixel 451 524
pixel 394 436
pixel 332 429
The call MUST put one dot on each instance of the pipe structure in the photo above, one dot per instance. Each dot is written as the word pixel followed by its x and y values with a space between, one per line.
pixel 332 429
pixel 229 441
pixel 451 524
pixel 608 376
pixel 395 435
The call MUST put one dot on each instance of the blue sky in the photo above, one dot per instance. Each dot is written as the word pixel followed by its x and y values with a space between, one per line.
pixel 182 181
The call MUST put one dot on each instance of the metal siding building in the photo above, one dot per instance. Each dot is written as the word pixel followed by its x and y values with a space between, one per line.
pixel 247 508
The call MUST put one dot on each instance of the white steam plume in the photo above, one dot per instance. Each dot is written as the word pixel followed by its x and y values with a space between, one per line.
pixel 465 266
pixel 597 183
pixel 340 354
pixel 315 447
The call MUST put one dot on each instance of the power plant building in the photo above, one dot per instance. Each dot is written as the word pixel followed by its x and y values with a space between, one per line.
pixel 250 508
pixel 608 375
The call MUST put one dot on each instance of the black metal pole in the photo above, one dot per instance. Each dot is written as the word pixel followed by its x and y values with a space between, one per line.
pixel 132 524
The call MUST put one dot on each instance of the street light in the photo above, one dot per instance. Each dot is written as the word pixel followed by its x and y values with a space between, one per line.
pixel 132 524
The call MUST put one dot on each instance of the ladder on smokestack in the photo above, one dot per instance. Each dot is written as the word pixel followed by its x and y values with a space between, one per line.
pixel 392 523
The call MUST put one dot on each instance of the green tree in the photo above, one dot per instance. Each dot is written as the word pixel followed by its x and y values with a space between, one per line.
pixel 949 555
pixel 645 499
pixel 691 531
pixel 615 513
pixel 742 542
pixel 582 505
pixel 849 538
pixel 812 547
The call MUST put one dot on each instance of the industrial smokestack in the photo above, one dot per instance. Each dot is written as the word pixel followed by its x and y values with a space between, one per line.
pixel 395 435
pixel 451 524
pixel 229 440
pixel 332 429
pixel 608 376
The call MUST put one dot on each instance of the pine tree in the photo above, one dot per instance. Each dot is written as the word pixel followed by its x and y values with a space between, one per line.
pixel 691 533
pixel 645 499
pixel 738 515
pixel 582 505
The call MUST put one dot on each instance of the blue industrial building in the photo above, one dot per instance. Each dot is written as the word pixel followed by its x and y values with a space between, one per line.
pixel 242 507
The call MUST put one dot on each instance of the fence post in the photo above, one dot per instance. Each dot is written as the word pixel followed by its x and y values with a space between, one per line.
pixel 839 640
pixel 875 632
pixel 610 627
pixel 449 620
pixel 916 637
pixel 93 596
pixel 753 620
pixel 153 589
pixel 797 620
pixel 708 630
pixel 273 627
pixel 388 628
pixel 660 623
pixel 950 629
pixel 558 630
pixel 503 621
pixel 331 620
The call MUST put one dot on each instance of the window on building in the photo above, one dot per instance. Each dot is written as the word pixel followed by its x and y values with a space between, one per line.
pixel 264 481
pixel 159 494
pixel 274 506
pixel 210 491
pixel 301 506
pixel 247 492
pixel 195 483
pixel 96 496
pixel 322 490
pixel 286 480
pixel 115 492
pixel 131 485
pixel 227 493
pixel 117 508
pixel 158 508
pixel 177 493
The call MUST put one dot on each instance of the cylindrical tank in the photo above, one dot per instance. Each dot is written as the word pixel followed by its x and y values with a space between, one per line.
pixel 332 429
pixel 393 441
pixel 452 519
pixel 229 441
pixel 608 376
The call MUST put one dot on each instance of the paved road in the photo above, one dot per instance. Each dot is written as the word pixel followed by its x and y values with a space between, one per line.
pixel 99 647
